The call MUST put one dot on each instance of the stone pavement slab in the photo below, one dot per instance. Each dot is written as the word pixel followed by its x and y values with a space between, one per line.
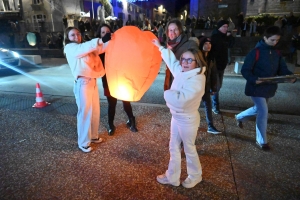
pixel 40 158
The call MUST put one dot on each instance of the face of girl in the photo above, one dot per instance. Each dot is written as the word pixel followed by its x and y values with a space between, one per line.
pixel 207 46
pixel 173 31
pixel 272 41
pixel 188 61
pixel 74 36
pixel 104 30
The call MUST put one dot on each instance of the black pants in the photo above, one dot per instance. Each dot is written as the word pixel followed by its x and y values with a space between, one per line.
pixel 112 103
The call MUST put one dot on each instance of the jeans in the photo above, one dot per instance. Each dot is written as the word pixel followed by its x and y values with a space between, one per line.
pixel 88 115
pixel 207 105
pixel 260 110
pixel 112 103
pixel 184 129
pixel 215 97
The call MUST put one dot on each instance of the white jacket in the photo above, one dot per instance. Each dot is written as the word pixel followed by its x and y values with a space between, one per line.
pixel 84 58
pixel 187 88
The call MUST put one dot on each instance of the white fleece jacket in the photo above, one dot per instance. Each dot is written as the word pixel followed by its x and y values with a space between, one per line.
pixel 84 58
pixel 187 88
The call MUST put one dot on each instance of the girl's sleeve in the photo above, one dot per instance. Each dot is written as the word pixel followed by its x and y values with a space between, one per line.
pixel 81 50
pixel 170 60
pixel 247 68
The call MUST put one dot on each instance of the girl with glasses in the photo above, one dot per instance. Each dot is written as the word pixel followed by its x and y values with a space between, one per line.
pixel 183 99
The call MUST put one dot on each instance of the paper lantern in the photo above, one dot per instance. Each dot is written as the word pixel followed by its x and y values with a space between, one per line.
pixel 31 38
pixel 132 63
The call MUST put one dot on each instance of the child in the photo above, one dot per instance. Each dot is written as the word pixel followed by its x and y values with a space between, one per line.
pixel 86 67
pixel 263 61
pixel 183 99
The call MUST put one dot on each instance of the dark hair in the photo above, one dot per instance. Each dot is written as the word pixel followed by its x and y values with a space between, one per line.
pixel 98 33
pixel 66 38
pixel 199 58
pixel 178 24
pixel 272 30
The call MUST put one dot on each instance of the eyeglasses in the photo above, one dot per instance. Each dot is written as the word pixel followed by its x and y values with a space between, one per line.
pixel 187 60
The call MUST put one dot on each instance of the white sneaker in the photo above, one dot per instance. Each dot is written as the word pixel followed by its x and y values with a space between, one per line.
pixel 189 183
pixel 98 140
pixel 85 149
pixel 162 179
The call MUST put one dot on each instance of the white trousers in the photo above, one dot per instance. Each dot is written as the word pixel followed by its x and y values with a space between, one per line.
pixel 88 115
pixel 184 129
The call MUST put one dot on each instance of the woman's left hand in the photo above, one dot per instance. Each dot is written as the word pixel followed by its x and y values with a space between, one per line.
pixel 156 43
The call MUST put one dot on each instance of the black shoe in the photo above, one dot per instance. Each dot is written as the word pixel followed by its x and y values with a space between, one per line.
pixel 213 130
pixel 131 124
pixel 239 123
pixel 111 130
pixel 264 147
pixel 216 111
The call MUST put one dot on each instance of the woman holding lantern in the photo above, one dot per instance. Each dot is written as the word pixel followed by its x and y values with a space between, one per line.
pixel 177 42
pixel 183 99
pixel 112 101
pixel 86 67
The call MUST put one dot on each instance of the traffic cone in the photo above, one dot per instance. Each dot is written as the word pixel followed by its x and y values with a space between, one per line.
pixel 40 103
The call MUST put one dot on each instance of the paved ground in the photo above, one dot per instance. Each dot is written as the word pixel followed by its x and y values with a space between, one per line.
pixel 40 158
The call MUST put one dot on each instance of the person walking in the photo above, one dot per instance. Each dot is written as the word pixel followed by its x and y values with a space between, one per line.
pixel 263 61
pixel 184 99
pixel 86 66
pixel 177 42
pixel 211 84
pixel 219 41
pixel 112 101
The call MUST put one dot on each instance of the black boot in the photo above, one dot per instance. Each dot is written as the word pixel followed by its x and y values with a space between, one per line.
pixel 111 128
pixel 131 124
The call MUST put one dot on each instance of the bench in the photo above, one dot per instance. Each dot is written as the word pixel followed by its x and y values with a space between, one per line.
pixel 32 59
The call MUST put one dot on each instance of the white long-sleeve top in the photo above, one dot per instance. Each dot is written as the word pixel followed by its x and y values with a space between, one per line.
pixel 84 58
pixel 187 89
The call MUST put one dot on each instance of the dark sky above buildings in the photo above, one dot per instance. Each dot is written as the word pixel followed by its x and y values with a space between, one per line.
pixel 179 4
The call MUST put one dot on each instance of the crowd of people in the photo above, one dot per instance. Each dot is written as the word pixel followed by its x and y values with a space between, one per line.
pixel 194 73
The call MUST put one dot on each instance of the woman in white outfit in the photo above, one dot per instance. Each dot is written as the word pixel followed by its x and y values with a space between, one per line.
pixel 183 99
pixel 86 67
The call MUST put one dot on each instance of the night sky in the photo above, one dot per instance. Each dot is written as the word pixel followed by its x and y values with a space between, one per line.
pixel 180 4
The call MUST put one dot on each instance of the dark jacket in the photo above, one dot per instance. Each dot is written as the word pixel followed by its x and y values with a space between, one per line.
pixel 183 45
pixel 270 63
pixel 219 43
pixel 211 84
pixel 104 79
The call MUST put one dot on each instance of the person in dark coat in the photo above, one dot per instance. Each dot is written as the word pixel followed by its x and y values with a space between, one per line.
pixel 178 42
pixel 219 42
pixel 240 20
pixel 263 61
pixel 112 101
pixel 210 84
pixel 81 27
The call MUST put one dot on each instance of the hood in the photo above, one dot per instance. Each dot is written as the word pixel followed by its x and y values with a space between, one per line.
pixel 262 45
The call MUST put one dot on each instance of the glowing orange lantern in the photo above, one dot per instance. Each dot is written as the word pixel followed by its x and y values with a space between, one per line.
pixel 132 63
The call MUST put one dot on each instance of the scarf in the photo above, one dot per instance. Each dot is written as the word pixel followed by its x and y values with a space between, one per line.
pixel 173 43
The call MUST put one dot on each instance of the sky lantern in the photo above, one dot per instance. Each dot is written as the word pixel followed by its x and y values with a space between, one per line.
pixel 31 38
pixel 132 63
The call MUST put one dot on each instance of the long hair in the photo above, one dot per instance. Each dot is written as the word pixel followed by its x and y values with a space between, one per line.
pixel 198 57
pixel 66 34
pixel 178 24
pixel 98 33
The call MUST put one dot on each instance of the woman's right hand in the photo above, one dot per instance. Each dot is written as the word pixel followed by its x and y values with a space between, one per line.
pixel 156 42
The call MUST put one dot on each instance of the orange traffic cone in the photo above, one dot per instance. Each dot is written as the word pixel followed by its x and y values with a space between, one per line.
pixel 40 103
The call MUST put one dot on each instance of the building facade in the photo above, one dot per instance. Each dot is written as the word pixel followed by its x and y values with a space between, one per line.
pixel 231 8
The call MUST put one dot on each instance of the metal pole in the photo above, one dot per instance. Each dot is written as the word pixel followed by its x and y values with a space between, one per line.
pixel 93 8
